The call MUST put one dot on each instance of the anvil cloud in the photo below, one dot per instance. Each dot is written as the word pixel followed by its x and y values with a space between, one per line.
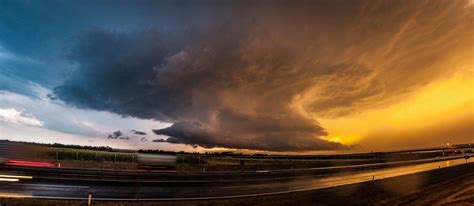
pixel 259 74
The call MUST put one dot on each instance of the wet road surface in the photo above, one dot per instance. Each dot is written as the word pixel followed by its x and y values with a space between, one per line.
pixel 105 190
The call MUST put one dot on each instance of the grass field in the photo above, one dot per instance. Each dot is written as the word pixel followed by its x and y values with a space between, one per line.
pixel 65 154
pixel 223 163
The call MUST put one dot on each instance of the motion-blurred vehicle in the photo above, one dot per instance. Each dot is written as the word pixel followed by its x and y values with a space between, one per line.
pixel 148 161
pixel 20 154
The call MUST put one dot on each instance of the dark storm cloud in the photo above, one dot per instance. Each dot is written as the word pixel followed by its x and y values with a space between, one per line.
pixel 118 135
pixel 138 132
pixel 115 135
pixel 282 140
pixel 258 77
pixel 131 134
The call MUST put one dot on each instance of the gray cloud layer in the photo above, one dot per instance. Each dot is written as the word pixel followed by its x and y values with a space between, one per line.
pixel 257 77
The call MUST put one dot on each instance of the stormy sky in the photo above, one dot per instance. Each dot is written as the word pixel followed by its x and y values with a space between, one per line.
pixel 284 76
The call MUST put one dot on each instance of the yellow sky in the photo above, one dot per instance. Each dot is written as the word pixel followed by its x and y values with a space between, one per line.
pixel 448 99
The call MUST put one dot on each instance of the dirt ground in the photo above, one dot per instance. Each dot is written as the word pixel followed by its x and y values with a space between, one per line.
pixel 446 186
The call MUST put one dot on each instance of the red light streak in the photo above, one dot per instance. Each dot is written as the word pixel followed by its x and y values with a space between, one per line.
pixel 29 163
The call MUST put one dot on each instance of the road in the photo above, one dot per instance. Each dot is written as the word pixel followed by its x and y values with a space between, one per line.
pixel 110 190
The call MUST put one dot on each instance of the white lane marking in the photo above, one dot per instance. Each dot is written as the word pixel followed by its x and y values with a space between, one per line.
pixel 16 176
pixel 8 180
pixel 60 186
pixel 13 195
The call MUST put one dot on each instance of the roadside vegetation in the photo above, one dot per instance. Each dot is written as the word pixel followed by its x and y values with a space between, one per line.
pixel 107 158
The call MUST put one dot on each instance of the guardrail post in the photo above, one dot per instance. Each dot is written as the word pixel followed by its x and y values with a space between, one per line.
pixel 89 199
